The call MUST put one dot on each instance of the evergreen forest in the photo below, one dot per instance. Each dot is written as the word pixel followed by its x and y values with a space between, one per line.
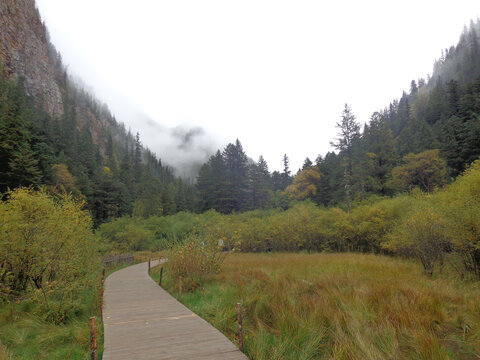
pixel 117 176
pixel 422 140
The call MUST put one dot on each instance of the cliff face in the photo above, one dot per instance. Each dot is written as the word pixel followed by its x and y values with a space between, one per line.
pixel 25 51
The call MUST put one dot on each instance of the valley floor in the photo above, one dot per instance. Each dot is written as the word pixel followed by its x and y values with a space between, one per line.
pixel 340 306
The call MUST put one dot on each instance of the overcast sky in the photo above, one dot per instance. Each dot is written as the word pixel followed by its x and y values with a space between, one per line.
pixel 274 74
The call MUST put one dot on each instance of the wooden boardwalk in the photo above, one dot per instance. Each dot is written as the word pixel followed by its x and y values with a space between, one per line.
pixel 142 321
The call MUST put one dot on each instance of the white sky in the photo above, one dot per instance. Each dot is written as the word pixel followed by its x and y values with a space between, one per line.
pixel 274 73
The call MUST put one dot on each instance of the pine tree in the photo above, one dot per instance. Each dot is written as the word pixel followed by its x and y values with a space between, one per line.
pixel 413 88
pixel 219 191
pixel 260 188
pixel 205 188
pixel 380 146
pixel 23 168
pixel 236 177
pixel 329 189
pixel 137 159
pixel 286 174
pixel 307 163
pixel 110 157
pixel 21 148
pixel 348 135
pixel 277 181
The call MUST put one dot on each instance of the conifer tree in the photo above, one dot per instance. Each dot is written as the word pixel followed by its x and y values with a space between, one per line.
pixel 260 185
pixel 137 158
pixel 286 174
pixel 205 188
pixel 348 135
pixel 277 183
pixel 236 177
pixel 307 163
pixel 380 146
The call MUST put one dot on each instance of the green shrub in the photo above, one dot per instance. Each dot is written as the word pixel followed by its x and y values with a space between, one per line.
pixel 126 234
pixel 47 251
pixel 195 260
pixel 460 202
pixel 422 235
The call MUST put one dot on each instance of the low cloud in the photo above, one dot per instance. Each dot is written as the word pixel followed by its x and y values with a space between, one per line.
pixel 184 148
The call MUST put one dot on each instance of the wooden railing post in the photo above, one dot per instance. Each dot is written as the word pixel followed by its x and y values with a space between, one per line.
pixel 101 292
pixel 12 303
pixel 180 281
pixel 240 329
pixel 148 266
pixel 93 339
pixel 161 275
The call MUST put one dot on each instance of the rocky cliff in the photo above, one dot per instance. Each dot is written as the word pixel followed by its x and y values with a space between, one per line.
pixel 25 51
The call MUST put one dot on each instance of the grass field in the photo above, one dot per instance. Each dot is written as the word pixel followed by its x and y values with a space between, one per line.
pixel 27 336
pixel 340 306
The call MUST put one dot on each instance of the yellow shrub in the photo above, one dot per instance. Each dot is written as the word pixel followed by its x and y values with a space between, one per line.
pixel 195 260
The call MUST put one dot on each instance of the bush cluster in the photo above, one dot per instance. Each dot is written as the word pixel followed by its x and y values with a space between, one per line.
pixel 422 225
pixel 47 252
pixel 195 260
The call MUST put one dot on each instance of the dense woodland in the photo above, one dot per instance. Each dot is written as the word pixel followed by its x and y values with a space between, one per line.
pixel 424 139
pixel 117 177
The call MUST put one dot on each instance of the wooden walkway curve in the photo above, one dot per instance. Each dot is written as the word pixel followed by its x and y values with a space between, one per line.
pixel 143 321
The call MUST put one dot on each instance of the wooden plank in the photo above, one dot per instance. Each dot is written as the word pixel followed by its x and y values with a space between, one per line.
pixel 141 320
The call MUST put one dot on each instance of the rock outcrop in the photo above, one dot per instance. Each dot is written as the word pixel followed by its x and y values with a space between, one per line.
pixel 25 51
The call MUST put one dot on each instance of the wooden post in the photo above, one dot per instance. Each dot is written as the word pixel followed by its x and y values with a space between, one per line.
pixel 240 329
pixel 12 300
pixel 148 266
pixel 161 275
pixel 180 280
pixel 101 292
pixel 93 339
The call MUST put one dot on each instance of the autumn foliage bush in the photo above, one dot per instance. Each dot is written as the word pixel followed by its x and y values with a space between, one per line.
pixel 47 252
pixel 195 260
pixel 421 235
pixel 460 205
pixel 425 225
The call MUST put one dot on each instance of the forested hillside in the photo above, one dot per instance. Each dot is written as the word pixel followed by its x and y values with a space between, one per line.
pixel 422 140
pixel 54 132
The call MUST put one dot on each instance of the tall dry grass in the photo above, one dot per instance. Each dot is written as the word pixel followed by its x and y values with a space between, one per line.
pixel 4 353
pixel 341 306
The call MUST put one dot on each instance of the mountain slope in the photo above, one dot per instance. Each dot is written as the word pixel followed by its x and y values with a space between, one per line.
pixel 422 140
pixel 54 132
pixel 26 51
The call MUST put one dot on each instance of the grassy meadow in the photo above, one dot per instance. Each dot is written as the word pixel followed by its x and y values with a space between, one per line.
pixel 26 334
pixel 339 306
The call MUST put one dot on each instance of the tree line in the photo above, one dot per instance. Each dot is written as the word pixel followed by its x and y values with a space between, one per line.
pixel 437 228
pixel 231 182
pixel 422 140
pixel 116 177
